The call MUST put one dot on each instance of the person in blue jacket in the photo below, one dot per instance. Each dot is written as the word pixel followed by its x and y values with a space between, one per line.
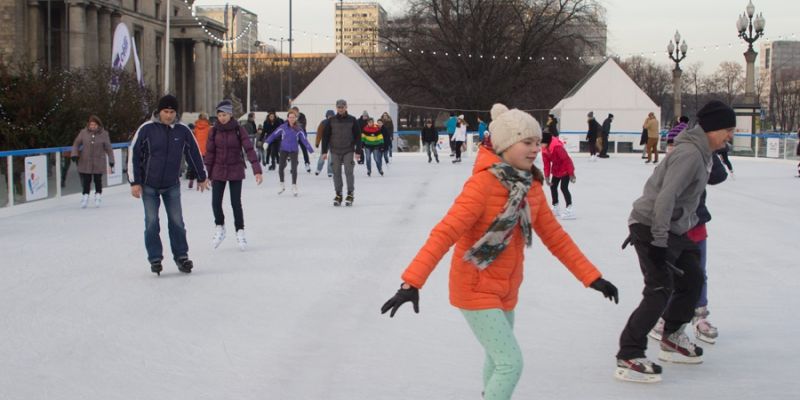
pixel 450 126
pixel 154 168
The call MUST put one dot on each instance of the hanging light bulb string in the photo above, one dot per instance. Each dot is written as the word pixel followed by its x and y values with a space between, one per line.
pixel 211 34
pixel 5 118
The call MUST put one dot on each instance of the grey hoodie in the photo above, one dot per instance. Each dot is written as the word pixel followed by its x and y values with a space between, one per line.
pixel 672 193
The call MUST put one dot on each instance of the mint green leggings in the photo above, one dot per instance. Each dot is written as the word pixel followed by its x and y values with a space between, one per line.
pixel 494 329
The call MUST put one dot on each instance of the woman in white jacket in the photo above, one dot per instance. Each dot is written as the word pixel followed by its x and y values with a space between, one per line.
pixel 459 137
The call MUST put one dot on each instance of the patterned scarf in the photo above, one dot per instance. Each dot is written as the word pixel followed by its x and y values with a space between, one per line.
pixel 497 237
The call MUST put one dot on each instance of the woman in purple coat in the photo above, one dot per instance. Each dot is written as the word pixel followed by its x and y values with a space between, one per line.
pixel 290 134
pixel 228 143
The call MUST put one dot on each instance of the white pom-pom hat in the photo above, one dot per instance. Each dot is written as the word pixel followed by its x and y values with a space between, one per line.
pixel 511 126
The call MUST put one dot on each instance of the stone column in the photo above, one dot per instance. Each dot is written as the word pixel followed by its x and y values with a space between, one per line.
pixel 220 74
pixel 211 95
pixel 92 44
pixel 116 18
pixel 173 66
pixel 215 75
pixel 200 61
pixel 104 36
pixel 77 35
pixel 34 32
pixel 750 77
pixel 676 90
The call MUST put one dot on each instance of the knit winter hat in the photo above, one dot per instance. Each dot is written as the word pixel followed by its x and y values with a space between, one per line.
pixel 168 102
pixel 225 106
pixel 590 114
pixel 716 115
pixel 329 113
pixel 511 126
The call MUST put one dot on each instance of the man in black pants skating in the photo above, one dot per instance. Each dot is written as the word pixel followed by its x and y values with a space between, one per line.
pixel 669 260
pixel 342 136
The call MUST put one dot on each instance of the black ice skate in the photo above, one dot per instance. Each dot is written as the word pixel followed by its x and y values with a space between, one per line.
pixel 638 370
pixel 337 201
pixel 156 267
pixel 185 265
pixel 348 201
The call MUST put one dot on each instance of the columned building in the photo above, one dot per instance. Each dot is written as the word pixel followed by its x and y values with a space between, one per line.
pixel 79 33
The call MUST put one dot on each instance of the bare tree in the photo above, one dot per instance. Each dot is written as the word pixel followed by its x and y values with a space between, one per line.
pixel 692 81
pixel 727 82
pixel 654 79
pixel 785 99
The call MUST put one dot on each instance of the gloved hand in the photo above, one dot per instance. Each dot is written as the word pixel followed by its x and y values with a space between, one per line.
pixel 403 295
pixel 607 288
pixel 547 180
pixel 74 159
pixel 657 255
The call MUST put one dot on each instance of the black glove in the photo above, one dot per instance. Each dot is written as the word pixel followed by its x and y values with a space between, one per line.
pixel 111 164
pixel 403 295
pixel 607 288
pixel 74 158
pixel 657 255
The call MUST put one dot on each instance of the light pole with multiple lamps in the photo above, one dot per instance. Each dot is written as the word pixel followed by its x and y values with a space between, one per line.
pixel 750 30
pixel 677 52
pixel 249 55
pixel 280 67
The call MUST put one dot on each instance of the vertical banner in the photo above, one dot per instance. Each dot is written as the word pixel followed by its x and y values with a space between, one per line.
pixel 773 147
pixel 35 177
pixel 115 176
pixel 120 52
pixel 136 64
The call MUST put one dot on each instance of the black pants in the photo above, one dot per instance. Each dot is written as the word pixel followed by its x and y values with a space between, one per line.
pixel 217 192
pixel 273 151
pixel 659 284
pixel 305 153
pixel 604 150
pixel 564 180
pixel 457 147
pixel 726 160
pixel 592 145
pixel 293 158
pixel 86 181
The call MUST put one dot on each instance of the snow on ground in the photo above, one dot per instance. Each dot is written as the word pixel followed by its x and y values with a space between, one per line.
pixel 297 315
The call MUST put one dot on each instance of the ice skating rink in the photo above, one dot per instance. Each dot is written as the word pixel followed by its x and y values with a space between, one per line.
pixel 296 316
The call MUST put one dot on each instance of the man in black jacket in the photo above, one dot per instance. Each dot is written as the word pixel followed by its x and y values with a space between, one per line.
pixel 606 132
pixel 591 136
pixel 154 168
pixel 342 136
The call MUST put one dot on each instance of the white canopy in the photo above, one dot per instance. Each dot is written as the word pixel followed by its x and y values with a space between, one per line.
pixel 606 89
pixel 343 79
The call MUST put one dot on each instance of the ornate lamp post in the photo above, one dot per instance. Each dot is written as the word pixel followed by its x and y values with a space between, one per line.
pixel 745 25
pixel 677 52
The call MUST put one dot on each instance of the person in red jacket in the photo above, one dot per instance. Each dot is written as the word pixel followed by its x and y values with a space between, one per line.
pixel 491 222
pixel 558 163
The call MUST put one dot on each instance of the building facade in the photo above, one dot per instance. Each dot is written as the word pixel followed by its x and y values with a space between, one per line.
pixel 357 27
pixel 779 68
pixel 238 19
pixel 79 33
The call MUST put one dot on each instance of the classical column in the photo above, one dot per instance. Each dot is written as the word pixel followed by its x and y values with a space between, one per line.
pixel 750 77
pixel 35 30
pixel 220 77
pixel 77 35
pixel 116 18
pixel 104 36
pixel 200 61
pixel 92 45
pixel 215 75
pixel 211 95
pixel 676 91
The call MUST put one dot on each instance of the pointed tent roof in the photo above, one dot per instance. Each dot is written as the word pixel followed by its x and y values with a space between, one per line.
pixel 342 79
pixel 606 86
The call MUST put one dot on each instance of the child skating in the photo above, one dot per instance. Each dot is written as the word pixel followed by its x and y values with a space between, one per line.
pixel 491 222
pixel 557 161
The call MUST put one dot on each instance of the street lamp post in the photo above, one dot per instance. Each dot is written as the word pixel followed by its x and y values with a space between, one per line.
pixel 677 52
pixel 249 55
pixel 166 51
pixel 280 67
pixel 745 25
pixel 290 51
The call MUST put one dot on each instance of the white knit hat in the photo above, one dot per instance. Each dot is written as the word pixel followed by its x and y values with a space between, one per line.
pixel 511 126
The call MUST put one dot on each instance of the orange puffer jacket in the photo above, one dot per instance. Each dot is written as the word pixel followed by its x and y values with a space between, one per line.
pixel 497 286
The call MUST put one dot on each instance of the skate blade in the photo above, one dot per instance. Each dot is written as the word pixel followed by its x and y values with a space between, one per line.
pixel 706 339
pixel 655 336
pixel 678 358
pixel 625 374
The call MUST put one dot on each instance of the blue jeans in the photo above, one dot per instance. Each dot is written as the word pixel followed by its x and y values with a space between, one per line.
pixel 151 197
pixel 320 162
pixel 377 154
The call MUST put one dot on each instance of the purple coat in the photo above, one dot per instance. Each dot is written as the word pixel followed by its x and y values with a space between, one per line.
pixel 675 131
pixel 223 158
pixel 289 138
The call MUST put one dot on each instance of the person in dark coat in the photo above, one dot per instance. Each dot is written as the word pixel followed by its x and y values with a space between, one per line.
pixel 606 132
pixel 429 137
pixel 342 136
pixel 270 124
pixel 591 136
pixel 89 150
pixel 388 136
pixel 301 119
pixel 226 143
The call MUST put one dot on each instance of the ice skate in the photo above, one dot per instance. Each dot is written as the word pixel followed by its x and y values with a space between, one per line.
pixel 568 213
pixel 191 183
pixel 678 348
pixel 638 370
pixel 240 240
pixel 294 190
pixel 219 236
pixel 282 189
pixel 337 201
pixel 156 268
pixel 658 331
pixel 556 211
pixel 703 330
pixel 185 265
pixel 98 199
pixel 348 201
pixel 84 201
pixel 308 168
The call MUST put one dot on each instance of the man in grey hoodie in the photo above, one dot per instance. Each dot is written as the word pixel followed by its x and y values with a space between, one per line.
pixel 669 260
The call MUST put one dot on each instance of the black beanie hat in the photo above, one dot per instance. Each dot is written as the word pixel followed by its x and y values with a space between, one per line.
pixel 716 115
pixel 168 102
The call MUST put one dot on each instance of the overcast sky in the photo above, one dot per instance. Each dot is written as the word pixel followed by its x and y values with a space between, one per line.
pixel 633 26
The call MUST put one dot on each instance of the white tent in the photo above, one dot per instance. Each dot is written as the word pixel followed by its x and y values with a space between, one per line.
pixel 605 89
pixel 343 79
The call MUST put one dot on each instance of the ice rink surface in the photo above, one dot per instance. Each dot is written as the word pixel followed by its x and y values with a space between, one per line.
pixel 296 316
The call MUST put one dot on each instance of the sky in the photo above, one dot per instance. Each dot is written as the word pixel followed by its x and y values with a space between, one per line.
pixel 634 27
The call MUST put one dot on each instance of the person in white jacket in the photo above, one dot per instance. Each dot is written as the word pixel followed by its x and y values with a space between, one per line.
pixel 459 137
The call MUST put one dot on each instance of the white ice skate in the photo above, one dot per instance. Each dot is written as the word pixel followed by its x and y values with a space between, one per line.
pixel 98 198
pixel 556 211
pixel 295 191
pixel 283 188
pixel 219 236
pixel 658 331
pixel 639 370
pixel 677 348
pixel 569 213
pixel 84 201
pixel 703 330
pixel 240 240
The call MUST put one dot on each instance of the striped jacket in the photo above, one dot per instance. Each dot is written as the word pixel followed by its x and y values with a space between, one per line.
pixel 372 136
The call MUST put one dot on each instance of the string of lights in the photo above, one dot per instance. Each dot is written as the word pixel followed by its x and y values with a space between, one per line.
pixel 211 34
pixel 11 125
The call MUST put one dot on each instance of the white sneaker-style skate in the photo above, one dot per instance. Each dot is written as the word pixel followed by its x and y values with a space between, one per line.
pixel 282 189
pixel 678 348
pixel 658 331
pixel 703 330
pixel 219 236
pixel 240 240
pixel 294 190
pixel 569 213
pixel 98 198
pixel 84 201
pixel 556 211
pixel 639 370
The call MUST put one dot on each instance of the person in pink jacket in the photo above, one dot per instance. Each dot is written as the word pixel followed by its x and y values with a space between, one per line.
pixel 558 163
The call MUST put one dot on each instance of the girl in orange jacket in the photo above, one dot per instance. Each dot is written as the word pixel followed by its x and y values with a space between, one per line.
pixel 490 223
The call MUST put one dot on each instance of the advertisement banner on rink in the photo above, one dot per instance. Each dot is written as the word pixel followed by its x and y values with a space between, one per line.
pixel 115 174
pixel 773 147
pixel 35 178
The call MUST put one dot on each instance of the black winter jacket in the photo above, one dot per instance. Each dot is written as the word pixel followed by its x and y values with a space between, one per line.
pixel 156 152
pixel 428 135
